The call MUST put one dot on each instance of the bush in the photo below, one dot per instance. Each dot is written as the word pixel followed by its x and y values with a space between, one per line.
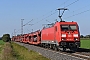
pixel 6 38
pixel 0 38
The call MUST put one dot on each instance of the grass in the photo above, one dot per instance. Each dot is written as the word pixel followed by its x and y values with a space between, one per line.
pixel 13 51
pixel 1 42
pixel 22 53
pixel 1 45
pixel 85 43
pixel 7 53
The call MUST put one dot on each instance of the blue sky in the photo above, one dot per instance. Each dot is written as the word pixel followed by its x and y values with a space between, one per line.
pixel 12 11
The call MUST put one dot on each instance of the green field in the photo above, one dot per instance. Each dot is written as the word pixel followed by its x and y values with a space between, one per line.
pixel 85 43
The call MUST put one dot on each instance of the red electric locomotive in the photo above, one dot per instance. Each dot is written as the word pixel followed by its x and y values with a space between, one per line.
pixel 61 34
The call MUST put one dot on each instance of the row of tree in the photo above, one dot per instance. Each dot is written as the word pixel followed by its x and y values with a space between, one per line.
pixel 82 36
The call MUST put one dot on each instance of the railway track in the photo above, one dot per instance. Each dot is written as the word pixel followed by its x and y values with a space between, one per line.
pixel 78 55
pixel 59 55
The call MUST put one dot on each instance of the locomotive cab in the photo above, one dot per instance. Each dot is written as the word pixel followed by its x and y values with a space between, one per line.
pixel 70 36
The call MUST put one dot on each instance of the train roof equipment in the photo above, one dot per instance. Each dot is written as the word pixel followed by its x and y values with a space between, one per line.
pixel 60 15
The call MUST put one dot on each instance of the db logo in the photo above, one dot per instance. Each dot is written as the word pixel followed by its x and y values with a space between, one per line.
pixel 69 35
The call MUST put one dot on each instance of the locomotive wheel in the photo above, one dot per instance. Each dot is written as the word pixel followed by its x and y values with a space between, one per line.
pixel 55 48
pixel 64 49
pixel 48 46
pixel 43 45
pixel 51 47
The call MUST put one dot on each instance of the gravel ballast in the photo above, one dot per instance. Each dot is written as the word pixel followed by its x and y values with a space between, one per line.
pixel 49 53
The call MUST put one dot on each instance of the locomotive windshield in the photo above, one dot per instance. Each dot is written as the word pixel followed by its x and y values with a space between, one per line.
pixel 68 27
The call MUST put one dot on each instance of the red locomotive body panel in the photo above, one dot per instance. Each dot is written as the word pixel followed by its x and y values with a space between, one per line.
pixel 50 34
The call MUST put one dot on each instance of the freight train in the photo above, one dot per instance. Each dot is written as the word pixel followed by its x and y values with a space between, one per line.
pixel 61 34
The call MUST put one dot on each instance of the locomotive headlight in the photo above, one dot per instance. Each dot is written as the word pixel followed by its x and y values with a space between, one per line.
pixel 63 38
pixel 75 38
pixel 63 35
pixel 75 35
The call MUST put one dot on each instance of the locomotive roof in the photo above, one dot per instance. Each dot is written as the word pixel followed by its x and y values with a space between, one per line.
pixel 68 22
pixel 63 22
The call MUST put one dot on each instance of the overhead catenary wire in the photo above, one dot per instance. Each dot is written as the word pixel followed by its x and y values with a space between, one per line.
pixel 28 22
pixel 78 13
pixel 48 21
pixel 56 10
pixel 72 3
pixel 51 11
pixel 45 17
pixel 81 8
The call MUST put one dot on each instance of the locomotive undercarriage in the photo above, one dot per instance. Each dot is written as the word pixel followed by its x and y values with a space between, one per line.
pixel 72 46
pixel 50 46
